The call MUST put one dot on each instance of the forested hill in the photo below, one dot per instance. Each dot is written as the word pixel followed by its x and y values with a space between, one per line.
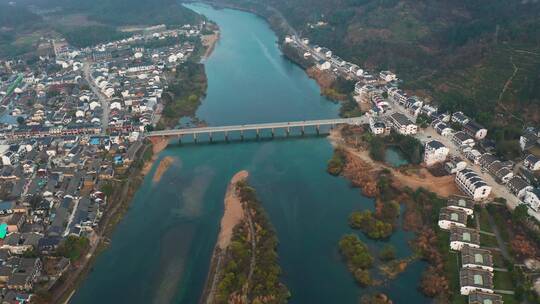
pixel 122 12
pixel 462 52
pixel 13 16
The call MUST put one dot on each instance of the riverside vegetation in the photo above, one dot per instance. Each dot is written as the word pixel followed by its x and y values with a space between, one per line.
pixel 251 270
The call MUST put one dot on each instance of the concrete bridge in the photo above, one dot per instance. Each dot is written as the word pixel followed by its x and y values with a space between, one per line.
pixel 225 130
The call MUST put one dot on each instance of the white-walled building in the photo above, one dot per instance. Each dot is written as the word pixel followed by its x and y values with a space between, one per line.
pixel 402 124
pixel 460 203
pixel 475 130
pixel 472 184
pixel 461 236
pixel 451 217
pixel 463 139
pixel 472 280
pixel 475 258
pixel 532 162
pixel 435 152
pixel 518 186
pixel 532 198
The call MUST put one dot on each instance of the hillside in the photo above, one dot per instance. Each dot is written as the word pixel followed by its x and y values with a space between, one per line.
pixel 463 53
pixel 83 23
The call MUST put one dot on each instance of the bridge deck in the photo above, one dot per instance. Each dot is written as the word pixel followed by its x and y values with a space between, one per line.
pixel 262 126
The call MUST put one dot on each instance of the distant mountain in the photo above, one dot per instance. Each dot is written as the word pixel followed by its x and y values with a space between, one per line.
pixel 15 16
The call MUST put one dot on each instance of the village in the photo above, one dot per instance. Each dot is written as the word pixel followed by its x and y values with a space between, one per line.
pixel 453 144
pixel 71 127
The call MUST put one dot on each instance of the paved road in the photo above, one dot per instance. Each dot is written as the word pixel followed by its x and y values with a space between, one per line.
pixel 497 190
pixel 262 126
pixel 102 98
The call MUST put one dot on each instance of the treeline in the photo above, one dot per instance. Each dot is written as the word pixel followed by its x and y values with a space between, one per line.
pixel 252 276
pixel 86 36
pixel 186 89
pixel 15 16
pixel 125 12
pixel 410 147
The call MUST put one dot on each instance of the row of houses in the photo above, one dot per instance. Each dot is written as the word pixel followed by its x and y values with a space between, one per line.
pixel 476 273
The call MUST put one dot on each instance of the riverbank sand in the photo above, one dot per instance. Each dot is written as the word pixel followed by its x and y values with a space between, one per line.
pixel 234 213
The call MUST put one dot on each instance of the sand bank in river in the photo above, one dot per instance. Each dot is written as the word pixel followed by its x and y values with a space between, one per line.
pixel 234 212
pixel 163 166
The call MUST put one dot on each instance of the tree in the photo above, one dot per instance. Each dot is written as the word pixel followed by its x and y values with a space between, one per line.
pixel 388 253
pixel 20 120
pixel 521 213
pixel 73 247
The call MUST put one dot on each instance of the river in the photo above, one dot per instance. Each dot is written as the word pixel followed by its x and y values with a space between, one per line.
pixel 160 252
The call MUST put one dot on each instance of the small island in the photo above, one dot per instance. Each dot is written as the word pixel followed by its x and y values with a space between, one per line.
pixel 244 267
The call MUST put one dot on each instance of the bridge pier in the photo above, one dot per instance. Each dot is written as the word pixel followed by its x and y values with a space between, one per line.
pixel 210 135
pixel 257 131
pixel 180 139
pixel 242 135
pixel 226 136
pixel 195 137
pixel 272 132
pixel 303 130
pixel 287 131
pixel 318 129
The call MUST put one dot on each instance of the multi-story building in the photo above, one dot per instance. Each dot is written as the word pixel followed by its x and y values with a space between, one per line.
pixel 451 217
pixel 461 237
pixel 472 184
pixel 435 152
pixel 402 124
pixel 472 280
pixel 476 258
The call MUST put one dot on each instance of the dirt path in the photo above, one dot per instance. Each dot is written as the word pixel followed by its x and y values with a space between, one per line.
pixel 252 264
pixel 443 186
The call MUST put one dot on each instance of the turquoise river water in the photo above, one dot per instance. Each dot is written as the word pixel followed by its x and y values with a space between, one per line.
pixel 161 250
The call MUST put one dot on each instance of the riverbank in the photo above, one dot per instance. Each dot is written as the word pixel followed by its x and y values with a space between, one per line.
pixel 118 204
pixel 209 42
pixel 414 188
pixel 332 87
pixel 232 216
pixel 362 167
pixel 238 273
pixel 126 186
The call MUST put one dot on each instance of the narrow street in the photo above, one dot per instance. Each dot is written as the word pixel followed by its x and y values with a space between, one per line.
pixel 102 98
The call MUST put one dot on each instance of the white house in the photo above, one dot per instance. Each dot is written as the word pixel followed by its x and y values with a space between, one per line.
pixel 472 184
pixel 325 65
pixel 532 162
pixel 460 118
pixel 377 127
pixel 532 198
pixel 475 130
pixel 451 217
pixel 463 139
pixel 476 258
pixel 476 297
pixel 402 124
pixel 461 236
pixel 460 203
pixel 435 152
pixel 472 280
pixel 442 128
pixel 518 186
pixel 387 76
